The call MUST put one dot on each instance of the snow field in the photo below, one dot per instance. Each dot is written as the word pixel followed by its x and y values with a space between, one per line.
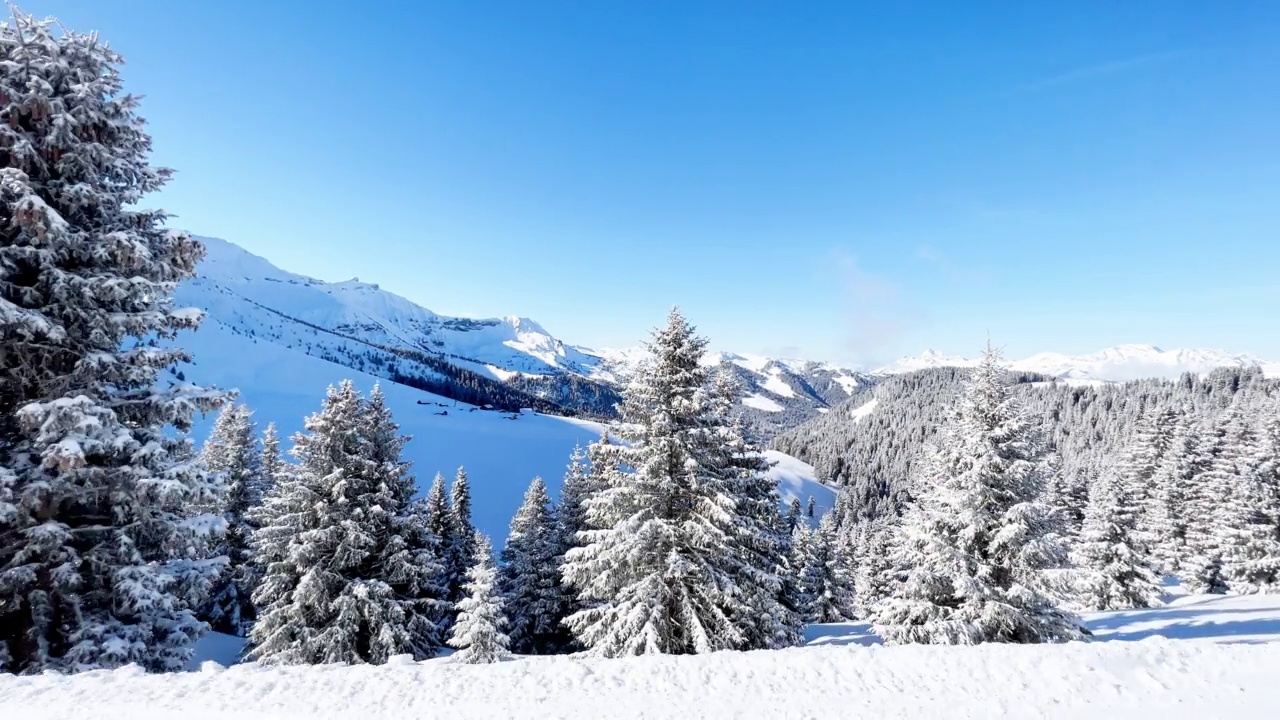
pixel 1154 678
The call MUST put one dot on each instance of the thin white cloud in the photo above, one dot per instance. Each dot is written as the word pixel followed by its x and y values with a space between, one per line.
pixel 878 311
pixel 1090 72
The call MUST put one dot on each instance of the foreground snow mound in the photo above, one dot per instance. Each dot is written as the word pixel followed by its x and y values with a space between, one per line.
pixel 1149 679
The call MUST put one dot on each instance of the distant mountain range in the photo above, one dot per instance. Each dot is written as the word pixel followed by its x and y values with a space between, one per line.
pixel 513 362
pixel 1117 364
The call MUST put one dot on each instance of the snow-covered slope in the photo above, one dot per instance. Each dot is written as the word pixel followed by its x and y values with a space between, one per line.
pixel 1218 658
pixel 1117 364
pixel 366 328
pixel 502 451
pixel 244 291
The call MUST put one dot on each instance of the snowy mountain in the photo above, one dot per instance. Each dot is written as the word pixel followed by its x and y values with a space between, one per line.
pixel 509 362
pixel 777 394
pixel 280 339
pixel 1117 364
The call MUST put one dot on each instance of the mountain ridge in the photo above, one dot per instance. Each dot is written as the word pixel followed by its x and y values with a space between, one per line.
pixel 513 362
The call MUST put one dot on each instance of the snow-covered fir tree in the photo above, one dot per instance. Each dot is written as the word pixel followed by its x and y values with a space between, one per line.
pixel 1116 565
pixel 826 574
pixel 231 451
pixel 1211 506
pixel 478 634
pixel 97 527
pixel 658 570
pixel 978 542
pixel 875 575
pixel 410 553
pixel 272 464
pixel 759 549
pixel 533 595
pixel 1173 482
pixel 459 553
pixel 1139 462
pixel 1246 509
pixel 794 515
pixel 347 576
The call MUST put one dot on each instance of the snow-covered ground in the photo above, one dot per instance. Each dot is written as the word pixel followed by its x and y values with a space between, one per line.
pixel 1199 657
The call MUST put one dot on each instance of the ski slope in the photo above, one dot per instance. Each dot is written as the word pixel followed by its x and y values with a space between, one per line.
pixel 1200 657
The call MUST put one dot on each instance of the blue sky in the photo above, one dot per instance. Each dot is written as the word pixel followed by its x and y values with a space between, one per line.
pixel 842 181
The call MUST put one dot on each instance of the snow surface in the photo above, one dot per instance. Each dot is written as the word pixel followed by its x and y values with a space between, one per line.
pixel 796 480
pixel 760 402
pixel 1220 658
pixel 863 410
pixel 1116 364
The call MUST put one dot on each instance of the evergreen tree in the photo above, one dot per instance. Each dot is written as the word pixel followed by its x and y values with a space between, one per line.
pixel 346 580
pixel 460 553
pixel 1139 463
pixel 1213 489
pixel 758 550
pixel 410 555
pixel 231 452
pixel 978 542
pixel 478 633
pixel 440 514
pixel 529 579
pixel 875 575
pixel 793 514
pixel 828 578
pixel 653 571
pixel 272 463
pixel 570 521
pixel 1246 506
pixel 1117 569
pixel 96 501
pixel 1173 481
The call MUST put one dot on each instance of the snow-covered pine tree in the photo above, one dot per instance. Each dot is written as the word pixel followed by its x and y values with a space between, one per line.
pixel 1117 571
pixel 459 553
pixel 653 568
pixel 231 451
pixel 478 633
pixel 1211 504
pixel 570 520
pixel 1172 483
pixel 759 548
pixel 874 573
pixel 96 503
pixel 410 554
pixel 1245 512
pixel 794 514
pixel 978 542
pixel 343 583
pixel 1259 564
pixel 805 575
pixel 529 578
pixel 829 576
pixel 272 464
pixel 1139 462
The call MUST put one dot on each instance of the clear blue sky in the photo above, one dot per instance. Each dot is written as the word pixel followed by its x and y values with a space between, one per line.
pixel 840 180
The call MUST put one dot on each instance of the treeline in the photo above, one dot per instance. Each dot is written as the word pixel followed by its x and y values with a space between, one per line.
pixel 874 456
